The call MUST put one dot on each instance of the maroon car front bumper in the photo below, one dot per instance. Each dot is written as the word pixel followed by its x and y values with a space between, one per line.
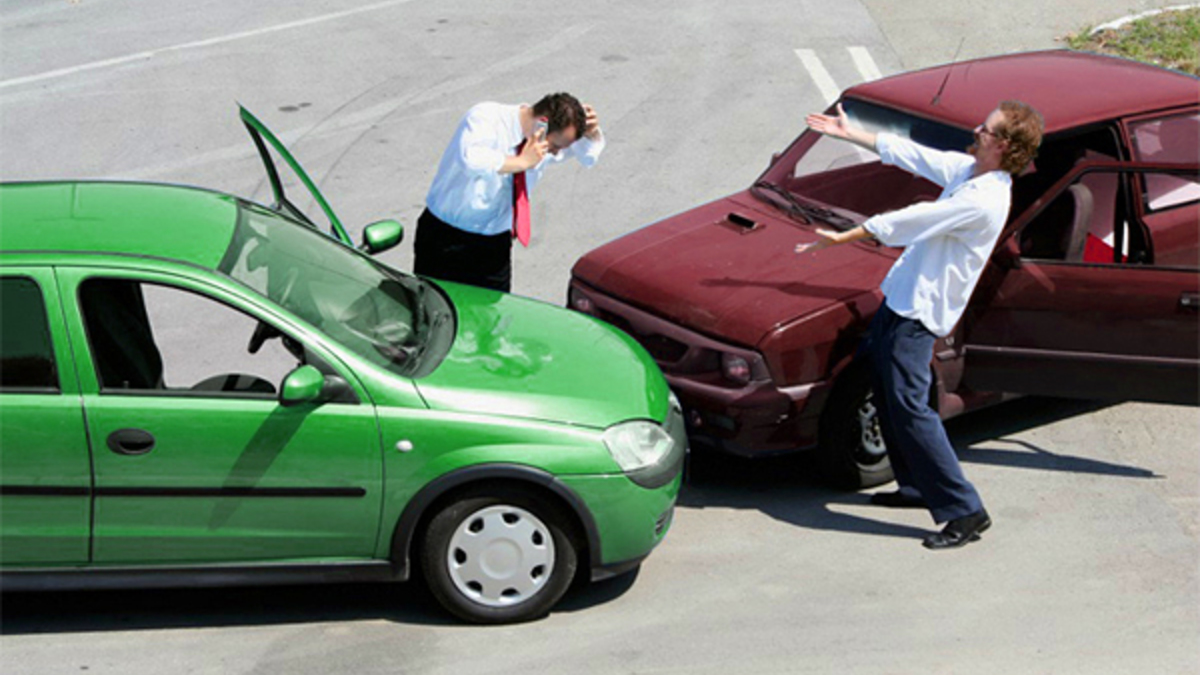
pixel 751 419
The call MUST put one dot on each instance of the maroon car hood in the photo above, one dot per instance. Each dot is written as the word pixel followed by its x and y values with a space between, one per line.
pixel 734 278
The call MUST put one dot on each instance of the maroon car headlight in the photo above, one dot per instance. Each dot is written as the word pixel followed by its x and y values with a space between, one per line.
pixel 581 302
pixel 735 368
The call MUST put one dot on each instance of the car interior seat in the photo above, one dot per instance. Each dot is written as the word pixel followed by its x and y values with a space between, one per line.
pixel 1080 198
pixel 120 335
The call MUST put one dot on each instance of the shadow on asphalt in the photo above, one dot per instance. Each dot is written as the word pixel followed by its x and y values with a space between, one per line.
pixel 789 487
pixel 99 611
pixel 104 611
pixel 977 434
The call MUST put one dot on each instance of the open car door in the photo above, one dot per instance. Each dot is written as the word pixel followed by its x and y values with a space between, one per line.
pixel 1089 319
pixel 266 141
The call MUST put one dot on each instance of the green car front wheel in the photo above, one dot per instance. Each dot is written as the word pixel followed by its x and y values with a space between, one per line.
pixel 498 556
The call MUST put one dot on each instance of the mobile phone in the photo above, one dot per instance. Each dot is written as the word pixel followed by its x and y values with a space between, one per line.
pixel 540 125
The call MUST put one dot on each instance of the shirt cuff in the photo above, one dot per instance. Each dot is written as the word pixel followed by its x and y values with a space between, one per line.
pixel 883 146
pixel 879 228
pixel 589 150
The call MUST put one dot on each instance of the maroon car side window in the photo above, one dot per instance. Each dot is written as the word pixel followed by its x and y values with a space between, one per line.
pixel 1168 140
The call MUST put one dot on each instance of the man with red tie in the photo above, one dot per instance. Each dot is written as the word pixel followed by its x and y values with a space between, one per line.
pixel 479 200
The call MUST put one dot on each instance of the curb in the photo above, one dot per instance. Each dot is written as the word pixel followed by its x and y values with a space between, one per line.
pixel 1113 25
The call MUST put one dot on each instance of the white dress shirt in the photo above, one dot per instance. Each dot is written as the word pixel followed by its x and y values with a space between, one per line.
pixel 948 241
pixel 468 191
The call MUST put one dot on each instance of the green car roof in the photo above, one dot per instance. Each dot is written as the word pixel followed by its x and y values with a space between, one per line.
pixel 164 221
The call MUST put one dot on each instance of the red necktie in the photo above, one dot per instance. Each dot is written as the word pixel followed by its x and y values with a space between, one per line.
pixel 520 205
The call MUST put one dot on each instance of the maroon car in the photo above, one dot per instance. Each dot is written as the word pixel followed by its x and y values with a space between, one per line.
pixel 1091 291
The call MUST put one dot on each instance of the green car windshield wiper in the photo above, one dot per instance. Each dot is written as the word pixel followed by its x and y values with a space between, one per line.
pixel 803 210
pixel 427 320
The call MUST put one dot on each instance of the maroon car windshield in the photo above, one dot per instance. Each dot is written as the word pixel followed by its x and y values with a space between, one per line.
pixel 830 172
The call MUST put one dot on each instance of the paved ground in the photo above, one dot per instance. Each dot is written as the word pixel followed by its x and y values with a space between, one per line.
pixel 1094 562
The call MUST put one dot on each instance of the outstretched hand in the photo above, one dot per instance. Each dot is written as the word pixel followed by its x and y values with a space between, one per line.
pixel 837 126
pixel 825 239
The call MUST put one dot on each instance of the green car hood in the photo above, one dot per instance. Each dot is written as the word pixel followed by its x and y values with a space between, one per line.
pixel 522 358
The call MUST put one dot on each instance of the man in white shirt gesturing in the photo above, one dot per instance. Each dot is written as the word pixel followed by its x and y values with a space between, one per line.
pixel 947 244
pixel 478 201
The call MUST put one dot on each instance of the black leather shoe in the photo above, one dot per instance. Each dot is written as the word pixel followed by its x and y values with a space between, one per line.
pixel 960 531
pixel 897 500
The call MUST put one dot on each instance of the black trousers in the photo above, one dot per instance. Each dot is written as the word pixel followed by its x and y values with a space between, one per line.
pixel 445 252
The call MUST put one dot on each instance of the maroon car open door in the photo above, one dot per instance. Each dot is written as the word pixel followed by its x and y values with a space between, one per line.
pixel 1107 307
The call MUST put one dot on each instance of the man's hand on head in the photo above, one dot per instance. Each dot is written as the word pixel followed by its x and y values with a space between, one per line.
pixel 592 129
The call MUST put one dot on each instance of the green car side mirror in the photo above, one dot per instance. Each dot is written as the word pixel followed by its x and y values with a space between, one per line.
pixel 306 384
pixel 302 385
pixel 381 235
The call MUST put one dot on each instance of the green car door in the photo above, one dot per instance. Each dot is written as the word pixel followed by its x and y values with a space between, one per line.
pixel 45 495
pixel 196 459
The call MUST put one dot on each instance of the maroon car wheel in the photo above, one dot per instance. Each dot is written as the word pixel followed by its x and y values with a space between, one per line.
pixel 853 454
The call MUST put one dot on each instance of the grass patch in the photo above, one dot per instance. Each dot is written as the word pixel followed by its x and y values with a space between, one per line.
pixel 1170 39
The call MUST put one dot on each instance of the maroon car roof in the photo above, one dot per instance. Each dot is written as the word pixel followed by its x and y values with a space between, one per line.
pixel 1069 88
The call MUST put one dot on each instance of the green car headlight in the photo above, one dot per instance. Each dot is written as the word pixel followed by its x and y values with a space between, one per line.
pixel 638 444
pixel 650 454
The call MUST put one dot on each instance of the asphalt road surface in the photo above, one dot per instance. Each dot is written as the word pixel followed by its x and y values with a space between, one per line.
pixel 1092 565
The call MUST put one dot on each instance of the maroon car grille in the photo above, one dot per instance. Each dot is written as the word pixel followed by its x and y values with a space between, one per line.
pixel 662 348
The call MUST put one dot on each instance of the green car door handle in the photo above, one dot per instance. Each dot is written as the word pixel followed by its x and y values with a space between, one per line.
pixel 130 441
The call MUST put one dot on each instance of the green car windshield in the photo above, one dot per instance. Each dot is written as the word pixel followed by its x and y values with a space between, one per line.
pixel 394 320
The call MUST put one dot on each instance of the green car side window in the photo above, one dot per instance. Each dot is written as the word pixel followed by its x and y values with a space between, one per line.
pixel 26 353
pixel 154 338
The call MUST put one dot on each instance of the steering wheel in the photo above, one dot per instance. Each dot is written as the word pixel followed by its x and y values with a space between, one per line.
pixel 262 332
pixel 265 331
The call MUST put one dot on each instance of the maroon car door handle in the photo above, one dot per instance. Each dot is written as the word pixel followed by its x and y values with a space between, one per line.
pixel 1190 301
pixel 130 441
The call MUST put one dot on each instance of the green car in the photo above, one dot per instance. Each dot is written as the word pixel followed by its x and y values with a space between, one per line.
pixel 197 390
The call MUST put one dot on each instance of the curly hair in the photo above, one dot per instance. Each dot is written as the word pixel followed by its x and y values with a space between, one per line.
pixel 562 110
pixel 1022 128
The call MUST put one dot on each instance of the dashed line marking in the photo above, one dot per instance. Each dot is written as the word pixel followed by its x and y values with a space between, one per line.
pixel 141 56
pixel 822 78
pixel 865 64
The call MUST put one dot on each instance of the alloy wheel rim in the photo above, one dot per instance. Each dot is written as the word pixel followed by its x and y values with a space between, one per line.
pixel 500 556
pixel 871 448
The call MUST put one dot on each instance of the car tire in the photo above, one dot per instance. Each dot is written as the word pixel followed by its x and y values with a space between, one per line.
pixel 852 452
pixel 499 555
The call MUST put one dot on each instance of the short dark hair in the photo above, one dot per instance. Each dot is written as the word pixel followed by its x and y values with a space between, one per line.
pixel 562 110
pixel 1022 128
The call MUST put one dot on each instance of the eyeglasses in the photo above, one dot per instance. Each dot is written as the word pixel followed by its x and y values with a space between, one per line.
pixel 982 129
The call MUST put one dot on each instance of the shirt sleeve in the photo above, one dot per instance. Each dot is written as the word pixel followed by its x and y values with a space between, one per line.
pixel 478 141
pixel 587 151
pixel 925 220
pixel 938 166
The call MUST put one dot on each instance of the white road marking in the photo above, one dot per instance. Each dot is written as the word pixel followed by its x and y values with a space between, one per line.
pixel 1113 25
pixel 373 115
pixel 822 78
pixel 141 56
pixel 865 64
